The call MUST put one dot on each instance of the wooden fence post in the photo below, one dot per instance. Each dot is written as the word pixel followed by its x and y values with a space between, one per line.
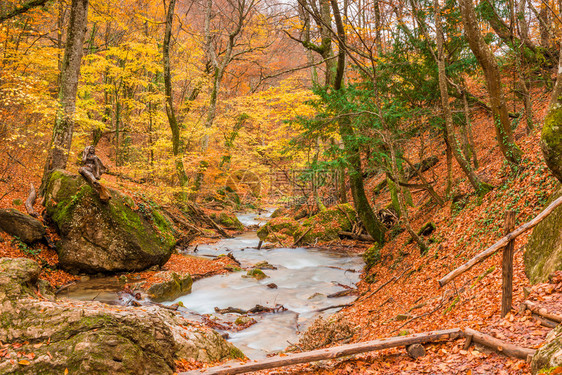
pixel 507 265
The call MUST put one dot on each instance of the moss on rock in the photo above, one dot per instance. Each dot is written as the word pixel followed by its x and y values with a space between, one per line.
pixel 549 355
pixel 324 226
pixel 327 224
pixel 229 221
pixel 551 140
pixel 172 286
pixel 93 338
pixel 543 253
pixel 256 273
pixel 105 237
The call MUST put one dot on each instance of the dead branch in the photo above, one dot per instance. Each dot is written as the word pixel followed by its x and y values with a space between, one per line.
pixel 181 221
pixel 395 278
pixel 359 237
pixel 301 237
pixel 22 9
pixel 500 244
pixel 334 307
pixel 30 201
pixel 535 309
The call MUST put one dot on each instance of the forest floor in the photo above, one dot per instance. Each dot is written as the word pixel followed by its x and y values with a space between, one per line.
pixel 462 230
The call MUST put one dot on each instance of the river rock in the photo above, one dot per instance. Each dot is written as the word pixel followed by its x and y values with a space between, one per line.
pixel 543 252
pixel 115 236
pixel 90 337
pixel 255 273
pixel 229 221
pixel 25 227
pixel 171 286
pixel 264 265
pixel 549 355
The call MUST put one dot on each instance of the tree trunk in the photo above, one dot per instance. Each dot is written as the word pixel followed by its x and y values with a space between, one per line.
pixel 476 183
pixel 362 206
pixel 551 137
pixel 489 65
pixel 401 204
pixel 61 140
pixel 468 128
pixel 170 112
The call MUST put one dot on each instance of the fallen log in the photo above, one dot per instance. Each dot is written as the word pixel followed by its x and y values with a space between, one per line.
pixel 535 309
pixel 343 293
pixel 545 322
pixel 359 237
pixel 500 244
pixel 331 353
pixel 258 309
pixel 497 345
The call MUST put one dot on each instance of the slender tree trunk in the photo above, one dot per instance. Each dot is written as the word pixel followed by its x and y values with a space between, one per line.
pixel 476 183
pixel 170 112
pixel 551 137
pixel 355 171
pixel 468 128
pixel 362 205
pixel 61 140
pixel 518 19
pixel 403 210
pixel 487 60
pixel 449 154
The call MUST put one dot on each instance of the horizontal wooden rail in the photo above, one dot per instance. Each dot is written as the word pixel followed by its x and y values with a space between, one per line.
pixel 368 346
pixel 500 244
pixel 330 353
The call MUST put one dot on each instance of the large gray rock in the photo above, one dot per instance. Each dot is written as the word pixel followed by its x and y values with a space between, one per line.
pixel 26 228
pixel 119 235
pixel 93 338
pixel 543 252
pixel 549 355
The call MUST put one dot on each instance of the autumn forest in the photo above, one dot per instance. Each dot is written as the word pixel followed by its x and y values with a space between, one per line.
pixel 255 186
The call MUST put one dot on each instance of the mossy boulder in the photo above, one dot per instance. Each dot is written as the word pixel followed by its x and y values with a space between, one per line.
pixel 16 223
pixel 229 221
pixel 96 236
pixel 280 228
pixel 94 338
pixel 171 286
pixel 543 253
pixel 549 355
pixel 255 273
pixel 327 224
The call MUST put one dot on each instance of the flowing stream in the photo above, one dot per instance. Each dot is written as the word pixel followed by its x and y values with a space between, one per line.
pixel 304 279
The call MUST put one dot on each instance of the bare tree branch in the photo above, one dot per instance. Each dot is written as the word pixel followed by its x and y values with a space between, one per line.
pixel 24 8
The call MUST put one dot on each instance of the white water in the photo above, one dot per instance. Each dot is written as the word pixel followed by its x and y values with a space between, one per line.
pixel 304 278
